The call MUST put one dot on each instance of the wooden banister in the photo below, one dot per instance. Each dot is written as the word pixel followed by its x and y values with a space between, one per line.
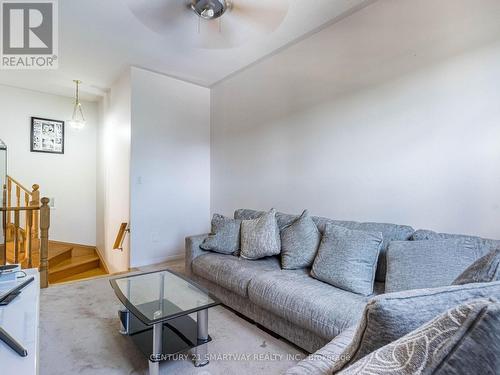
pixel 15 209
pixel 18 184
pixel 26 223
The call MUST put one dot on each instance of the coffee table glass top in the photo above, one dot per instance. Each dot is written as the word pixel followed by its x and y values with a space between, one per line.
pixel 159 296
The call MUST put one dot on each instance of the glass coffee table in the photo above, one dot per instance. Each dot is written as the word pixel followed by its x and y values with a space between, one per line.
pixel 156 315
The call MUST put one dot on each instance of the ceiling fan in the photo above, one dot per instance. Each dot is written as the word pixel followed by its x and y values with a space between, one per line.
pixel 212 24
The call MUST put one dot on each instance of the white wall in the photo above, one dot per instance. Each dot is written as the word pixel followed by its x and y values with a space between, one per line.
pixel 69 178
pixel 170 166
pixel 113 182
pixel 390 115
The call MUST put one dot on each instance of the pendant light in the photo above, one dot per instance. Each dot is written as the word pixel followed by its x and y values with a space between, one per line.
pixel 77 120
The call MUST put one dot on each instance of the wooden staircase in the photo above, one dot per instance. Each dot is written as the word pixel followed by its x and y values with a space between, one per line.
pixel 67 262
pixel 71 262
pixel 26 222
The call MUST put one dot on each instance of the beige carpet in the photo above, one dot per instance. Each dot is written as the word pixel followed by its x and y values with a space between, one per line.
pixel 79 335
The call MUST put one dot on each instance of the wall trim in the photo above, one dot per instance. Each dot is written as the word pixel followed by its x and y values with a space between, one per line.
pixel 157 260
pixel 103 262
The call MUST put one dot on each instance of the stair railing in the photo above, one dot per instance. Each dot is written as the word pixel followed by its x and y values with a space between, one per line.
pixel 22 236
pixel 22 196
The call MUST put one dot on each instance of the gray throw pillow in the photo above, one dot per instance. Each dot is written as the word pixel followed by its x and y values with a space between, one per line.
pixel 427 350
pixel 388 317
pixel 224 237
pixel 347 259
pixel 390 232
pixel 260 237
pixel 427 264
pixel 483 270
pixel 299 243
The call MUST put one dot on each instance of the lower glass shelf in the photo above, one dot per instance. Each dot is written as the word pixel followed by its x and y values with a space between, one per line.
pixel 178 336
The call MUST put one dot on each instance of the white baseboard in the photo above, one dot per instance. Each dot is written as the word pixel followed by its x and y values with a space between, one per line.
pixel 156 260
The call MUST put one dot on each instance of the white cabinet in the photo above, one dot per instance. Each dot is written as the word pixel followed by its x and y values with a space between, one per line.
pixel 20 319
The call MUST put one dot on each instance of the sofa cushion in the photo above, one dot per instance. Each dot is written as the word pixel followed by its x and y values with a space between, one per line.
pixel 347 259
pixel 389 317
pixel 225 235
pixel 260 237
pixel 485 245
pixel 299 243
pixel 231 272
pixel 306 302
pixel 427 264
pixel 426 349
pixel 390 232
pixel 483 270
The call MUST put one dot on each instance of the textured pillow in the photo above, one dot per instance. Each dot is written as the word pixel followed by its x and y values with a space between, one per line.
pixel 299 243
pixel 390 232
pixel 426 349
pixel 483 270
pixel 391 316
pixel 260 237
pixel 347 259
pixel 225 236
pixel 427 264
pixel 388 317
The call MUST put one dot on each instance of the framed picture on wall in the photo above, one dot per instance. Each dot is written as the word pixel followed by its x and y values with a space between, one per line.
pixel 47 135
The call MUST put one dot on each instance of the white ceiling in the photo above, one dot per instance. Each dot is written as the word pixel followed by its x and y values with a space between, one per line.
pixel 99 39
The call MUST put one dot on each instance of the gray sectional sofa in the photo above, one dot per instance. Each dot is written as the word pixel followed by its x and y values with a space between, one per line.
pixel 312 314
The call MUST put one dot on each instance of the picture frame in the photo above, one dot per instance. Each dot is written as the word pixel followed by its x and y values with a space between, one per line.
pixel 47 135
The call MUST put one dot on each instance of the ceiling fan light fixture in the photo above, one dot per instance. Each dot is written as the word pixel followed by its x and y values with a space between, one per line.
pixel 209 9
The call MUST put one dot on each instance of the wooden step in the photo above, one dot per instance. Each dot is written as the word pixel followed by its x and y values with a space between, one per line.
pixel 67 262
pixel 90 274
pixel 73 266
pixel 59 254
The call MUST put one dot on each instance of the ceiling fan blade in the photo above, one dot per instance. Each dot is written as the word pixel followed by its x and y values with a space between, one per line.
pixel 175 20
pixel 161 16
pixel 246 20
pixel 262 15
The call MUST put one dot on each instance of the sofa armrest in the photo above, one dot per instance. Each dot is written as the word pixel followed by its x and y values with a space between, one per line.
pixel 193 250
pixel 327 358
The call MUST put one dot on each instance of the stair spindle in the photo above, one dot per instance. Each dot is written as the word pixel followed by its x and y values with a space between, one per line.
pixel 16 236
pixel 44 242
pixel 3 252
pixel 35 201
pixel 29 227
pixel 9 199
pixel 18 196
pixel 27 213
